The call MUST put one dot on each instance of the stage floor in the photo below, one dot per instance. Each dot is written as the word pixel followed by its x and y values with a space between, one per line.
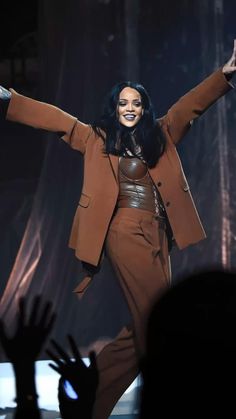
pixel 47 383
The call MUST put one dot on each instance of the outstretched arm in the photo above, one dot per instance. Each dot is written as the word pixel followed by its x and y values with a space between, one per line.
pixel 22 109
pixel 193 104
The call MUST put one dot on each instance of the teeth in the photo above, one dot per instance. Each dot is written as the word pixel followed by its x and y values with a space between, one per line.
pixel 129 117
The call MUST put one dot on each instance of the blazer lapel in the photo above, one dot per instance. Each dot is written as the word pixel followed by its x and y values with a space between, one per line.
pixel 114 160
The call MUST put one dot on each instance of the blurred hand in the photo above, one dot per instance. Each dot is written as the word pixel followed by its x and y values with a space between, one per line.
pixel 83 379
pixel 4 93
pixel 30 335
pixel 230 66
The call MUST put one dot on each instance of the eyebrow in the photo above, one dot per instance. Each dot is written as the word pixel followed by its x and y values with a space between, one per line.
pixel 126 100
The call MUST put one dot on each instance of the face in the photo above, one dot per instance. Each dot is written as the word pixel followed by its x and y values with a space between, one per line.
pixel 129 108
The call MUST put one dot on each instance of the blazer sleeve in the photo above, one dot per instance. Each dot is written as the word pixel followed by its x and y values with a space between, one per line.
pixel 190 106
pixel 48 117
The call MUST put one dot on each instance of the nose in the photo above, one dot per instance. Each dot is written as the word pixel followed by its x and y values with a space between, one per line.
pixel 130 107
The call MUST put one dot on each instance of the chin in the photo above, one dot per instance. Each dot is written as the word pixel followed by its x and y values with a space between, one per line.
pixel 128 124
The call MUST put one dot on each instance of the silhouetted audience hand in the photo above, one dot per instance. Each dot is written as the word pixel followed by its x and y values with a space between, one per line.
pixel 84 380
pixel 23 348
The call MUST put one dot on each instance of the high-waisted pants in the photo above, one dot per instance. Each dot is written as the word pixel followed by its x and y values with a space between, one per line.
pixel 137 247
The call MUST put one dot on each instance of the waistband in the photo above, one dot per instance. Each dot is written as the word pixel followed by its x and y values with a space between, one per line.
pixel 138 214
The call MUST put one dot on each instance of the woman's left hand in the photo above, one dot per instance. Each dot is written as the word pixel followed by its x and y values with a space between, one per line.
pixel 230 66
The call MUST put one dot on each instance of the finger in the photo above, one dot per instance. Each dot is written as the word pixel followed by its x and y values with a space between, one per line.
pixel 93 359
pixel 231 69
pixel 61 352
pixel 3 336
pixel 74 348
pixel 34 311
pixel 45 317
pixel 235 46
pixel 50 323
pixel 22 309
pixel 57 360
pixel 54 367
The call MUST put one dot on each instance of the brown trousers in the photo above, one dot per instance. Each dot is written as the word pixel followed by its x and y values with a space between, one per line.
pixel 137 247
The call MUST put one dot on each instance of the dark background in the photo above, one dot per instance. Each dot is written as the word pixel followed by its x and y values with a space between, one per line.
pixel 70 53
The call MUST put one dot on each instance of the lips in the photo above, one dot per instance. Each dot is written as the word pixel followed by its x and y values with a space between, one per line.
pixel 129 117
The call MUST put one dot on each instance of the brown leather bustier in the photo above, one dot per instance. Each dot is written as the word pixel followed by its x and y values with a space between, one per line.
pixel 136 187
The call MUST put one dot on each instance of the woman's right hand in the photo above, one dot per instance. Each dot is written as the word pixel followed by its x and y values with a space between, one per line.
pixel 4 94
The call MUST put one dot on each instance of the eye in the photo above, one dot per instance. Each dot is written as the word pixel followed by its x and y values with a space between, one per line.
pixel 122 103
pixel 138 104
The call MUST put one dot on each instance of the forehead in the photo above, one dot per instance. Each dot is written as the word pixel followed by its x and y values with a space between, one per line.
pixel 129 93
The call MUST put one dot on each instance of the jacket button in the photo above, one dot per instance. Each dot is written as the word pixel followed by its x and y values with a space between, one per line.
pixel 168 204
pixel 159 184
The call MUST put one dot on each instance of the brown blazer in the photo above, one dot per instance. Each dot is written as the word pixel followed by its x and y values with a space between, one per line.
pixel 100 187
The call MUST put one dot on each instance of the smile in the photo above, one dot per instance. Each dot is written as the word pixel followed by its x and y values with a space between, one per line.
pixel 129 117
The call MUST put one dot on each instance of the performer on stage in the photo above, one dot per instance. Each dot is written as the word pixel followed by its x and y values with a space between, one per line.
pixel 135 202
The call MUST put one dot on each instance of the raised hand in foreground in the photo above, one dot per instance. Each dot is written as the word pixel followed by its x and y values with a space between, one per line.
pixel 22 350
pixel 84 380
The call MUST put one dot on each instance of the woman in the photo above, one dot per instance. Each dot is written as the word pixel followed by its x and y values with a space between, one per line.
pixel 144 205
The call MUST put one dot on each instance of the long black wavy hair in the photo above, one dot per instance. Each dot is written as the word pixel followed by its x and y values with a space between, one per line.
pixel 118 138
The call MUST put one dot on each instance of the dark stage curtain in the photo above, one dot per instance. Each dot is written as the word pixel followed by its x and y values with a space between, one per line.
pixel 85 48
